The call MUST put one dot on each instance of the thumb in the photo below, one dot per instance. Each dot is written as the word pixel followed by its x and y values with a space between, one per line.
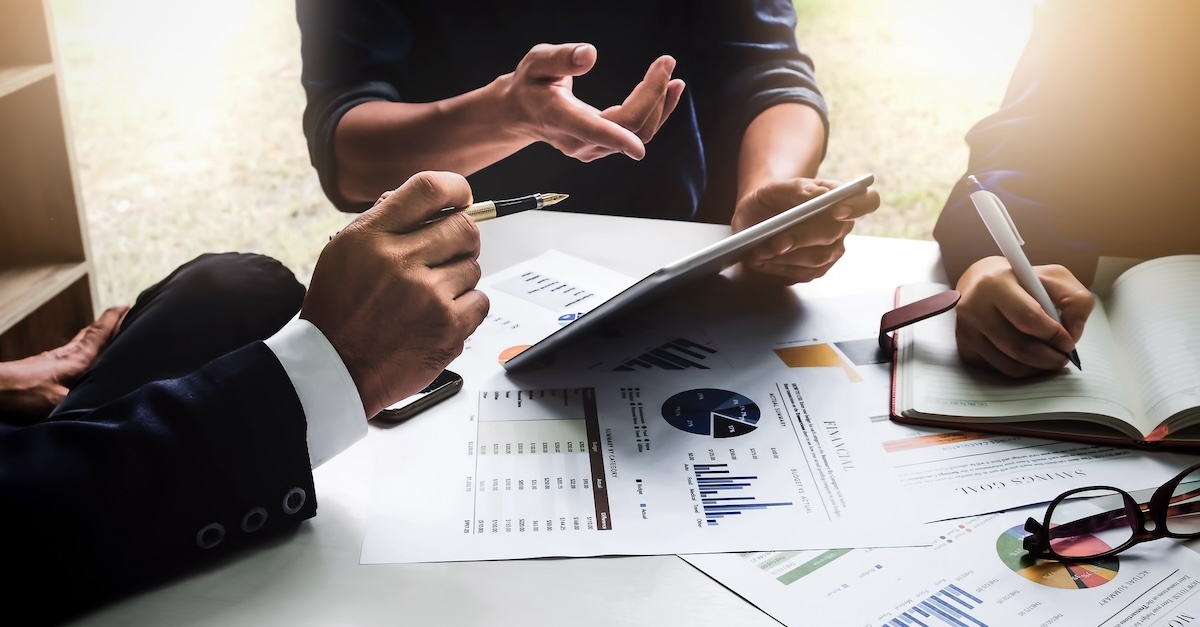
pixel 555 60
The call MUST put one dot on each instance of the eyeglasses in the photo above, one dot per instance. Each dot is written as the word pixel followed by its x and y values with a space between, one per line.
pixel 1073 530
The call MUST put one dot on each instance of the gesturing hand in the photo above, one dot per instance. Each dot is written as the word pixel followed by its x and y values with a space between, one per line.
pixel 544 108
pixel 809 250
pixel 396 297
pixel 998 324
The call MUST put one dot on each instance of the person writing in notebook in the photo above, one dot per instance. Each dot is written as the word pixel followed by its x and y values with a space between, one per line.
pixel 1093 154
pixel 727 124
pixel 193 431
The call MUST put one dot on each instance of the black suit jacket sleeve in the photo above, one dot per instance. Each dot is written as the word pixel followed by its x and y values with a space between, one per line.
pixel 174 474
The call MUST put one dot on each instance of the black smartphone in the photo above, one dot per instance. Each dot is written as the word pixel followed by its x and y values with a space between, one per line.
pixel 446 384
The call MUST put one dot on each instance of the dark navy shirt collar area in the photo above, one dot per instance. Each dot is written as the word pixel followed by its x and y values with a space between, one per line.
pixel 737 58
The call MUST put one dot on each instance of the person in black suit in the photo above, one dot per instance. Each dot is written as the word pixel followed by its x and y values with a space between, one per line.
pixel 195 431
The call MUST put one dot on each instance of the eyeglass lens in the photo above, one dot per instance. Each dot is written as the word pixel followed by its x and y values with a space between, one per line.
pixel 1090 523
pixel 1183 512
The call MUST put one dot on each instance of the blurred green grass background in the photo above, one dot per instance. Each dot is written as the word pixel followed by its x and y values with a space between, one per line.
pixel 187 136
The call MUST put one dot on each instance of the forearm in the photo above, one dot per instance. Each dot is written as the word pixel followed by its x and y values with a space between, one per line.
pixel 785 141
pixel 379 144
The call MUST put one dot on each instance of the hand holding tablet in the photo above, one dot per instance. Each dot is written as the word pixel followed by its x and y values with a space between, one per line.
pixel 707 261
pixel 806 251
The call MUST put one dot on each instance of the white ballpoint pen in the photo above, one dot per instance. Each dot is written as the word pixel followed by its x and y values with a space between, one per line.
pixel 1004 231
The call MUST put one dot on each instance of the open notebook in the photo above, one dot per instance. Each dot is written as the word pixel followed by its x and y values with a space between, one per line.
pixel 1140 383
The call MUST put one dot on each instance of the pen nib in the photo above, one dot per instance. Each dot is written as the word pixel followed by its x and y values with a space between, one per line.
pixel 552 199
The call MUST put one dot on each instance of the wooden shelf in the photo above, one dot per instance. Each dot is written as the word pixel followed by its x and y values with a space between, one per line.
pixel 24 289
pixel 15 78
pixel 47 284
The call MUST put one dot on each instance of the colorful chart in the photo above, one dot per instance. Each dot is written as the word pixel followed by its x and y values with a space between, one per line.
pixel 707 411
pixel 511 352
pixel 817 356
pixel 1072 576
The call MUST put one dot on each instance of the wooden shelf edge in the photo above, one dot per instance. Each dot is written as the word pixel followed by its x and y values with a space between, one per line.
pixel 23 289
pixel 16 78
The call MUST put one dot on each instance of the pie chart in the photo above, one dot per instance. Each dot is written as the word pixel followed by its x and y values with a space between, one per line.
pixel 711 412
pixel 1071 576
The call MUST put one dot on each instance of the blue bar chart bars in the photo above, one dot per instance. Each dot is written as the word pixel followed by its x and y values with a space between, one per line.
pixel 721 495
pixel 949 606
pixel 677 354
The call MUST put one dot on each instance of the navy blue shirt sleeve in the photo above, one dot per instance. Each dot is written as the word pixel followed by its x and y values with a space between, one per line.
pixel 347 49
pixel 750 61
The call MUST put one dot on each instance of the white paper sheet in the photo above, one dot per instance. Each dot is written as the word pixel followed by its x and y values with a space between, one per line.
pixel 974 574
pixel 438 495
pixel 957 473
pixel 655 457
pixel 632 463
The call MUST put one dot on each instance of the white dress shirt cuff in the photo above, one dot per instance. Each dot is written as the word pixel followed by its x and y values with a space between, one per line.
pixel 332 407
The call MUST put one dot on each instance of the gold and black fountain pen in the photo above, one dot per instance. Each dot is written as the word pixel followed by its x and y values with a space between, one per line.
pixel 488 209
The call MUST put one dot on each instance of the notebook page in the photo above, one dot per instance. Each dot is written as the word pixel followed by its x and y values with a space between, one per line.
pixel 1155 310
pixel 941 384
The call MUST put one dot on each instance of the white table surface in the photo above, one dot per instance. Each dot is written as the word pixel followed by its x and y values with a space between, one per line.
pixel 313 577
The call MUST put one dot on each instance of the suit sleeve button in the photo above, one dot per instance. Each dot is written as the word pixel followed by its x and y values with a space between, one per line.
pixel 254 520
pixel 210 535
pixel 293 500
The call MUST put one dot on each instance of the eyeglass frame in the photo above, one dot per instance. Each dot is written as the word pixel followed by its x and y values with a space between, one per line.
pixel 1159 507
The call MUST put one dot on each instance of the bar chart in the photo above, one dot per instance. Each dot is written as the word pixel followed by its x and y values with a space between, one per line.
pixel 722 496
pixel 949 606
pixel 676 354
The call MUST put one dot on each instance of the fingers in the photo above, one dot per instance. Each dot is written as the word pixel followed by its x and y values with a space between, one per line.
pixel 456 278
pixel 805 240
pixel 1024 333
pixel 93 337
pixel 407 207
pixel 646 107
pixel 474 306
pixel 551 61
pixel 856 206
pixel 999 324
pixel 595 132
pixel 792 274
pixel 772 199
pixel 442 242
pixel 1075 303
pixel 975 349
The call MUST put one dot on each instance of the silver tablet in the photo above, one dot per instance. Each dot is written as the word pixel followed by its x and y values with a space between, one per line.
pixel 709 260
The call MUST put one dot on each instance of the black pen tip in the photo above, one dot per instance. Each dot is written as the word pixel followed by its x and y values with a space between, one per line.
pixel 1074 357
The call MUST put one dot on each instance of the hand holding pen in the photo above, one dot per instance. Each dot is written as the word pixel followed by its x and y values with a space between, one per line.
pixel 489 209
pixel 1019 319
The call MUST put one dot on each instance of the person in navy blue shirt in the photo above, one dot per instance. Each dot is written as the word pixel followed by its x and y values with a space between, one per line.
pixel 1093 152
pixel 703 111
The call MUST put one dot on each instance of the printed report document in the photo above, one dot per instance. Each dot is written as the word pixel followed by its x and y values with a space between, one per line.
pixel 1140 383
